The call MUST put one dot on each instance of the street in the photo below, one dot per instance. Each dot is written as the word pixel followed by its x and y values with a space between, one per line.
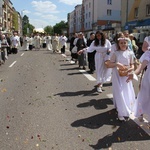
pixel 47 103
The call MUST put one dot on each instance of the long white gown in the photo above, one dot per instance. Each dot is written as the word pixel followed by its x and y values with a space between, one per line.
pixel 142 105
pixel 103 74
pixel 123 92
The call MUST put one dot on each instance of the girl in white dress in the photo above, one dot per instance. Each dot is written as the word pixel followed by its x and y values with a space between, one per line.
pixel 123 92
pixel 102 47
pixel 142 105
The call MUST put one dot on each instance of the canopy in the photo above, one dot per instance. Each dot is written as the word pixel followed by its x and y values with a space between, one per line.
pixel 40 30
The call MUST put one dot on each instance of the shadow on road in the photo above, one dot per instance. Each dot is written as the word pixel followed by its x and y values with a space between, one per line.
pixel 97 104
pixel 92 92
pixel 127 131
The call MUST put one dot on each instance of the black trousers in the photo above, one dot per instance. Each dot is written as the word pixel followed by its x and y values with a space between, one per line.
pixel 3 55
pixel 14 50
pixel 91 61
pixel 30 47
pixel 63 49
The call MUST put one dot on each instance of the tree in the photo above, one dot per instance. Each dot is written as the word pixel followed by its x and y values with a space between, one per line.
pixel 15 21
pixel 49 30
pixel 26 26
pixel 59 27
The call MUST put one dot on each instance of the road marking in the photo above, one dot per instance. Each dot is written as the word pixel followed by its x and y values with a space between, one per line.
pixel 22 54
pixel 64 55
pixel 12 64
pixel 72 62
pixel 91 78
pixel 110 96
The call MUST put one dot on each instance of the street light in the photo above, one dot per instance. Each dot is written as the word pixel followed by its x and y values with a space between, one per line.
pixel 22 22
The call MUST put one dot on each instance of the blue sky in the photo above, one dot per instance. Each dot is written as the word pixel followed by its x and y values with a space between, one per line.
pixel 45 12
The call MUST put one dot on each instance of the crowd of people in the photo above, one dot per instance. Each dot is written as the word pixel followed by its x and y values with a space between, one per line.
pixel 11 43
pixel 117 61
pixel 111 61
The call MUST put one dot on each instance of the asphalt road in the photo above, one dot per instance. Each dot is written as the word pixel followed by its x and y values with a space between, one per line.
pixel 47 103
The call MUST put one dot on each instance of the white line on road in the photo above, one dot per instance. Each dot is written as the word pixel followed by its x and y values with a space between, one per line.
pixel 110 96
pixel 64 55
pixel 12 64
pixel 22 54
pixel 91 78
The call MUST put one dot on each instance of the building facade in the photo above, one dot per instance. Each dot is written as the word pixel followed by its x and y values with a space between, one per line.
pixel 136 15
pixel 7 15
pixel 97 15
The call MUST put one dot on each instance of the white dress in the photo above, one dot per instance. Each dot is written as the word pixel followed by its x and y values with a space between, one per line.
pixel 123 92
pixel 103 74
pixel 142 105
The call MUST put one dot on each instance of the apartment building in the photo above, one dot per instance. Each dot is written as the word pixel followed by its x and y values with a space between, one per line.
pixel 7 15
pixel 97 15
pixel 136 15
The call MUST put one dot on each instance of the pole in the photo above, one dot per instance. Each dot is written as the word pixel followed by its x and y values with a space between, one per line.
pixel 127 11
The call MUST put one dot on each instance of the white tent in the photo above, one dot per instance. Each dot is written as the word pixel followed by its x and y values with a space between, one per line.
pixel 40 30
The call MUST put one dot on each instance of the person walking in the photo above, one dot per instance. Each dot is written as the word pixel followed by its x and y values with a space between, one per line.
pixel 102 47
pixel 122 62
pixel 81 45
pixel 49 42
pixel 142 105
pixel 15 41
pixel 91 56
pixel 63 41
pixel 146 43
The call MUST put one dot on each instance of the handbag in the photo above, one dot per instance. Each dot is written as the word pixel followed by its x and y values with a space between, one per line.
pixel 74 50
pixel 123 72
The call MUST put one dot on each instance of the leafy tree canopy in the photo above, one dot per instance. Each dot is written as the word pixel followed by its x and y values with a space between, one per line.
pixel 60 27
pixel 48 30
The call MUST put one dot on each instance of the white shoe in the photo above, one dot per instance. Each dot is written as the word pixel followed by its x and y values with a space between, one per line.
pixel 99 89
pixel 121 118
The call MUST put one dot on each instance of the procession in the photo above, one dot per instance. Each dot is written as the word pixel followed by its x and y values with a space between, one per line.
pixel 74 75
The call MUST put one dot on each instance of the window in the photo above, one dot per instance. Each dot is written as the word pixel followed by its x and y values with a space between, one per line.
pixel 86 25
pixel 89 14
pixel 109 2
pixel 136 12
pixel 148 10
pixel 89 24
pixel 108 12
pixel 89 5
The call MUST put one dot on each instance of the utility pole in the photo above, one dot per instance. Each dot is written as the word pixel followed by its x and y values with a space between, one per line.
pixel 127 11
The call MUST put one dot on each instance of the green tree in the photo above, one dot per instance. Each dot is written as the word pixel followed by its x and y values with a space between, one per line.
pixel 49 30
pixel 15 21
pixel 27 27
pixel 60 27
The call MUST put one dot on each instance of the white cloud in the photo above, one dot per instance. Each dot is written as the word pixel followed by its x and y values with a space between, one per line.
pixel 38 23
pixel 71 2
pixel 44 6
pixel 25 11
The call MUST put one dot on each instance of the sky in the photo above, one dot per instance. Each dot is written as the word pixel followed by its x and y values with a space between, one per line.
pixel 42 13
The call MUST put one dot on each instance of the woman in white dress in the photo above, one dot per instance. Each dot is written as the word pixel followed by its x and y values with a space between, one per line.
pixel 142 105
pixel 102 46
pixel 146 43
pixel 123 92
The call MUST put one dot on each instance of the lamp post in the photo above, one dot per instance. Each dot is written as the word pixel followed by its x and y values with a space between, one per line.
pixel 22 22
pixel 127 11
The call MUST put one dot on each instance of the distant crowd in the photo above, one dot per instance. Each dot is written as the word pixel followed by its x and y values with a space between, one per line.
pixel 10 44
